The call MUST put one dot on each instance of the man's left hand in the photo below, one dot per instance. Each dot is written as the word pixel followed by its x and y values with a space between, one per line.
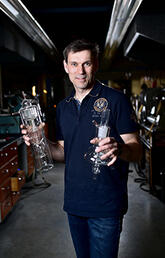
pixel 109 146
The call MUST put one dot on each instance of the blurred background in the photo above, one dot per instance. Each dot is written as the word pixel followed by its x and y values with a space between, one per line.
pixel 131 36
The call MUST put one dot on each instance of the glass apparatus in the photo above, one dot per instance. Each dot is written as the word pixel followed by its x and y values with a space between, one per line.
pixel 30 114
pixel 102 131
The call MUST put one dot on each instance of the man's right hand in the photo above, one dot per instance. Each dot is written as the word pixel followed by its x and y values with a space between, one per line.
pixel 25 136
pixel 35 135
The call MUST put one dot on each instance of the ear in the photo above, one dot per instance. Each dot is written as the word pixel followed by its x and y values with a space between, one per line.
pixel 65 66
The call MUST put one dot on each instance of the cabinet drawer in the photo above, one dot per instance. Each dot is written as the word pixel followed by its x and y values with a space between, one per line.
pixel 8 153
pixel 15 197
pixel 5 207
pixel 8 169
pixel 5 189
pixel 13 165
pixel 17 181
pixel 4 173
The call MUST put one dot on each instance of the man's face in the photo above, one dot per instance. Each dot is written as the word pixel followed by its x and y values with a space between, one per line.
pixel 81 68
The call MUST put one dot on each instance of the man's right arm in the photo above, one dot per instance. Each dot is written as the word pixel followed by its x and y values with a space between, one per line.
pixel 57 150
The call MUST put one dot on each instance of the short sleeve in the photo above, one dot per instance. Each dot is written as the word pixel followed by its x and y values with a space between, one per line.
pixel 125 117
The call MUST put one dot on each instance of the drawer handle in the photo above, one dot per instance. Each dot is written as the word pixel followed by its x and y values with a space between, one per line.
pixel 5 171
pixel 4 154
pixel 13 148
pixel 14 163
pixel 15 193
pixel 5 188
pixel 21 178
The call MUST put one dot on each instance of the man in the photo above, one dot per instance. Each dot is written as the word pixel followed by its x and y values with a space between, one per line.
pixel 95 208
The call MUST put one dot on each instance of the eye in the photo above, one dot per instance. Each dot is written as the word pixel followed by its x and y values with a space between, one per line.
pixel 88 64
pixel 74 64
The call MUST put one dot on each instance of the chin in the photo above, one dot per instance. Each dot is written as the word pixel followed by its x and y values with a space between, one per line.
pixel 82 85
pixel 86 84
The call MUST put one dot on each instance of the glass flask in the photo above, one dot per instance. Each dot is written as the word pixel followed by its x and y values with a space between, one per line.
pixel 30 114
pixel 102 131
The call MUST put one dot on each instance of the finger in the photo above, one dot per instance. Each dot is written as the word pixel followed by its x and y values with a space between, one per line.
pixel 106 155
pixel 22 126
pixel 24 131
pixel 106 140
pixel 107 147
pixel 27 143
pixel 94 141
pixel 112 161
pixel 104 148
pixel 26 138
pixel 42 125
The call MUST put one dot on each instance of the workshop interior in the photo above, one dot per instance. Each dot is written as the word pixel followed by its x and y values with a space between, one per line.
pixel 33 34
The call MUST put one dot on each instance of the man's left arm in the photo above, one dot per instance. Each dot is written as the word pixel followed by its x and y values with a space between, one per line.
pixel 131 149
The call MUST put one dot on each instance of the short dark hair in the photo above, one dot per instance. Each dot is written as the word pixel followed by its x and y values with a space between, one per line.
pixel 80 45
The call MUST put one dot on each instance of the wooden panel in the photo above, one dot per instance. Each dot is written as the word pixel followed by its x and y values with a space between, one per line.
pixel 4 173
pixel 8 153
pixel 13 165
pixel 5 189
pixel 9 169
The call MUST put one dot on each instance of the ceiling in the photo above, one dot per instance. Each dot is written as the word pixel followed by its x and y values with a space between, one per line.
pixel 64 21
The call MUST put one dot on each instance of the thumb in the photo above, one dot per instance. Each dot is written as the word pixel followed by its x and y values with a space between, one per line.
pixel 94 141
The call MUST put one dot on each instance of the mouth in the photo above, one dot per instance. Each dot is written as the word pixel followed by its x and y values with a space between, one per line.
pixel 81 78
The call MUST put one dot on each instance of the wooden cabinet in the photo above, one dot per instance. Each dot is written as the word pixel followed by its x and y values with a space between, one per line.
pixel 16 167
pixel 9 173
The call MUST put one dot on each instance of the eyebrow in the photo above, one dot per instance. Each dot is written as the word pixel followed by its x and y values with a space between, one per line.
pixel 86 61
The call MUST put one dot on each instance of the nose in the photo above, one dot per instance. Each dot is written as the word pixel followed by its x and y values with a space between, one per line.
pixel 81 69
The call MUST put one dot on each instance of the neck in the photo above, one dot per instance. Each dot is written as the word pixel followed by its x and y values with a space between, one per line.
pixel 80 94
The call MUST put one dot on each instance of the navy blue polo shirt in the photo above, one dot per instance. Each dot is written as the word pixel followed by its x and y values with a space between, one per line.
pixel 107 195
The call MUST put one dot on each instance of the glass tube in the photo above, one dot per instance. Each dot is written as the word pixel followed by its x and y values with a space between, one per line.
pixel 30 113
pixel 102 131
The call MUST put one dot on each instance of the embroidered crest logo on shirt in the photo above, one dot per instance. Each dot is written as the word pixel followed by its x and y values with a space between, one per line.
pixel 100 104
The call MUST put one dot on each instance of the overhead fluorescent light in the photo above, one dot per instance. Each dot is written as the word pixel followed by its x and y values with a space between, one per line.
pixel 122 14
pixel 8 6
pixel 131 43
pixel 8 9
pixel 18 12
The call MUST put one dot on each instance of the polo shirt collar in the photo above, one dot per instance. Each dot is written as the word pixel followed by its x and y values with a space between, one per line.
pixel 93 93
pixel 96 89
